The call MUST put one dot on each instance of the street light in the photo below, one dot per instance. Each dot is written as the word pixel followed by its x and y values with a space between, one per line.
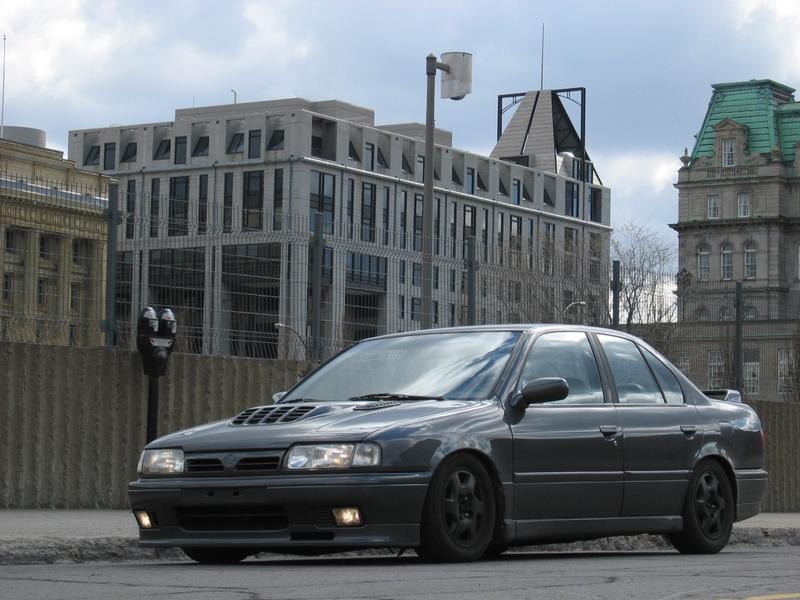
pixel 294 331
pixel 456 83
pixel 568 306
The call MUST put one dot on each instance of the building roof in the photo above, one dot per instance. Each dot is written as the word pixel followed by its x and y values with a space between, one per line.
pixel 767 110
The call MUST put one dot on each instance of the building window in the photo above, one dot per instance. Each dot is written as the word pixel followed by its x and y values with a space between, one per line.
pixel 713 206
pixel 436 278
pixel 421 166
pixel 352 153
pixel 468 229
pixel 130 209
pixel 405 165
pixel 201 146
pixel 515 191
pixel 381 159
pixel 386 207
pixel 418 202
pixel 236 145
pixel 402 272
pixel 254 144
pixel 130 153
pixel 155 206
pixel 366 269
pixel 92 156
pixel 369 156
pixel 416 274
pixel 162 150
pixel 41 295
pixel 178 223
pixel 323 199
pixel 8 287
pixel 702 263
pixel 180 150
pixel 351 202
pixel 227 203
pixel 202 205
pixel 81 252
pixel 275 140
pixel 750 313
pixel 402 303
pixel 571 208
pixel 252 200
pixel 728 152
pixel 277 201
pixel 750 261
pixel 469 185
pixel 743 201
pixel 570 251
pixel 109 156
pixel 785 370
pixel 751 369
pixel 451 321
pixel 726 262
pixel 501 187
pixel 716 369
pixel 416 308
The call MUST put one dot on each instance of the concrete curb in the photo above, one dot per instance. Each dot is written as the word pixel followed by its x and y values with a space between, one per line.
pixel 48 550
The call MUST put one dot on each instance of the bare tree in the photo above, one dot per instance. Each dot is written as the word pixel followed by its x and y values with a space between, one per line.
pixel 647 260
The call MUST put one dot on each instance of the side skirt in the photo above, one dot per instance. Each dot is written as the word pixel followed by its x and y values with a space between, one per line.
pixel 569 530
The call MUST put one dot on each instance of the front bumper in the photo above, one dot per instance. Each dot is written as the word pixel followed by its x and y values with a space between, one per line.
pixel 281 512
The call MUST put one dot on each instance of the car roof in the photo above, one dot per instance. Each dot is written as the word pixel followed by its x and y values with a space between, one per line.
pixel 521 327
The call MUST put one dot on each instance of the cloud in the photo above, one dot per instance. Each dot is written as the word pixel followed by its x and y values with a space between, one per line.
pixel 774 24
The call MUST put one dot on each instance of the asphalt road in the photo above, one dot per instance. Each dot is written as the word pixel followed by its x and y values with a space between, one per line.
pixel 757 573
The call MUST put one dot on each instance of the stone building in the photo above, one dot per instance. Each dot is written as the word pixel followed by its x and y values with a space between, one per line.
pixel 739 221
pixel 218 203
pixel 53 253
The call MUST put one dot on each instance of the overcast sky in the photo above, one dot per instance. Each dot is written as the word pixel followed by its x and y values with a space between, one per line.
pixel 647 65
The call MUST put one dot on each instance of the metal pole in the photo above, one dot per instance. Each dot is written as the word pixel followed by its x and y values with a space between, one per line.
pixel 111 266
pixel 737 345
pixel 152 408
pixel 318 247
pixel 427 208
pixel 3 99
pixel 615 289
pixel 472 272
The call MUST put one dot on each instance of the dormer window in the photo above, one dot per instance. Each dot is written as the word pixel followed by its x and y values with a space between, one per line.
pixel 728 152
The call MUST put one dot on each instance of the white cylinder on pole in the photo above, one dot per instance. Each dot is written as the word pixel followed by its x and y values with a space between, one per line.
pixel 458 82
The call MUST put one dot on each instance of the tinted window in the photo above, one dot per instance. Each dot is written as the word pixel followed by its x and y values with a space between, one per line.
pixel 666 379
pixel 635 383
pixel 567 355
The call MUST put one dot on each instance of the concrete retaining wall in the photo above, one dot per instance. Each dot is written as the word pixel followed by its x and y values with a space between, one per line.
pixel 72 420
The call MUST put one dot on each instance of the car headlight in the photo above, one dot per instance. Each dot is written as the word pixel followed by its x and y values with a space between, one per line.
pixel 161 462
pixel 333 456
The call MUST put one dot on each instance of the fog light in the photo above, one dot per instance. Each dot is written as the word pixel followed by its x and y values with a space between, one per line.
pixel 143 519
pixel 348 516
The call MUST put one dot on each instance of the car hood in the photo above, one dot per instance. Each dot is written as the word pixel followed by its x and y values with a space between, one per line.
pixel 281 425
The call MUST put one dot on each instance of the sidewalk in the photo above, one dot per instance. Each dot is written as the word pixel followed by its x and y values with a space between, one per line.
pixel 49 536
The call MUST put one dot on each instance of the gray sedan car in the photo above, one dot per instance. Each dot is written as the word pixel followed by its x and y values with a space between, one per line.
pixel 460 443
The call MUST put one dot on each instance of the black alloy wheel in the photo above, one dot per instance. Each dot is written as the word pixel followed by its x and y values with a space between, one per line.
pixel 459 514
pixel 217 556
pixel 708 512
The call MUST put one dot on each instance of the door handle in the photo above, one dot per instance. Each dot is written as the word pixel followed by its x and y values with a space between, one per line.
pixel 688 430
pixel 609 430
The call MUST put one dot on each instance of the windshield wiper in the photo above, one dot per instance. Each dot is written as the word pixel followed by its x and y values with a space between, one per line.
pixel 389 396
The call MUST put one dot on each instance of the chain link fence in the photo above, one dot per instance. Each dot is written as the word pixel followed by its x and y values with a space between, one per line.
pixel 259 284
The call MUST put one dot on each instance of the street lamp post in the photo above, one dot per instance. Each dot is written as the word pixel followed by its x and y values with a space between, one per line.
pixel 568 306
pixel 294 331
pixel 456 83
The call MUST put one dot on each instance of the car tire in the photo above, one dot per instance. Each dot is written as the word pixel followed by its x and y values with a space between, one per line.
pixel 708 512
pixel 459 513
pixel 217 556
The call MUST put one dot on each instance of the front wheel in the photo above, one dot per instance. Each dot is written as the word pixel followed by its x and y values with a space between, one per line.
pixel 459 514
pixel 707 512
pixel 216 556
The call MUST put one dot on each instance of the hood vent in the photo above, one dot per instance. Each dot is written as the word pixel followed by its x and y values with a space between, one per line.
pixel 378 405
pixel 272 415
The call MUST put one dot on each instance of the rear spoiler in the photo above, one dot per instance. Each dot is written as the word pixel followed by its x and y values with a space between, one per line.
pixel 726 395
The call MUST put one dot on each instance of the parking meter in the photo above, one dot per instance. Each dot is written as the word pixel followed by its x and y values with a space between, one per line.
pixel 155 338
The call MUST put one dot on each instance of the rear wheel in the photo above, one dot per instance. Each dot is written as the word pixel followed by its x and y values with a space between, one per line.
pixel 217 556
pixel 707 512
pixel 459 514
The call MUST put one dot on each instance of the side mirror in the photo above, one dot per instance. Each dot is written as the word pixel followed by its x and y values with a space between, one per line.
pixel 544 389
pixel 277 396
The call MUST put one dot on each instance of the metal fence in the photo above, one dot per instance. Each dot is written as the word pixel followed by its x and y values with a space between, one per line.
pixel 266 285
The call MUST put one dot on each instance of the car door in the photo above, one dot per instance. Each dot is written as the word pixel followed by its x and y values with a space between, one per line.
pixel 661 433
pixel 567 459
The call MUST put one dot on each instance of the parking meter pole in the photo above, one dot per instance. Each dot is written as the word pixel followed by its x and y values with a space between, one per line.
pixel 472 276
pixel 152 408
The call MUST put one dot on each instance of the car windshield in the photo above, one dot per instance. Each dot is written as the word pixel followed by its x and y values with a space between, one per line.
pixel 465 365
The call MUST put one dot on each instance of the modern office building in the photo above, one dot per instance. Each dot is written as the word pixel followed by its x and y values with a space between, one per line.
pixel 54 237
pixel 739 221
pixel 217 208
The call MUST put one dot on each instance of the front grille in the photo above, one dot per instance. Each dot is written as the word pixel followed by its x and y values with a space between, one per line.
pixel 232 518
pixel 204 465
pixel 258 463
pixel 274 414
pixel 323 516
